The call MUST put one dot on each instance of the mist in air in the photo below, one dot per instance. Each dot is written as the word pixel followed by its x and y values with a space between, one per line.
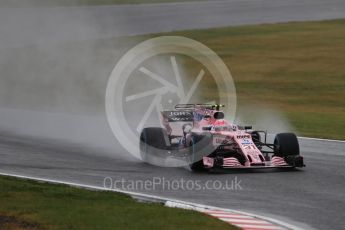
pixel 54 66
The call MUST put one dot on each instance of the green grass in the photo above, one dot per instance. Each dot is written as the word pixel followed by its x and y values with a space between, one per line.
pixel 34 205
pixel 17 3
pixel 295 68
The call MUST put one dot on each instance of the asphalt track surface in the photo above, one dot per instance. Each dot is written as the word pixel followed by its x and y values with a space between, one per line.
pixel 25 26
pixel 82 150
pixel 311 198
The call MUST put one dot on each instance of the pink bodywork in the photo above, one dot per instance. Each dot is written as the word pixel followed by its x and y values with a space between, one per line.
pixel 243 141
pixel 232 137
pixel 239 139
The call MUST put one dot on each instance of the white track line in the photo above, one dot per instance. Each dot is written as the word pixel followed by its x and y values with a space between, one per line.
pixel 243 221
pixel 312 138
pixel 175 203
pixel 246 226
pixel 231 216
pixel 320 139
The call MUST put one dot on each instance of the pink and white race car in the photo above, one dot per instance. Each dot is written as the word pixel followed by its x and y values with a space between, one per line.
pixel 199 135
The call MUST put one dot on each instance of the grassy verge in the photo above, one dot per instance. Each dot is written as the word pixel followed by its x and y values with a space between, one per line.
pixel 32 205
pixel 17 3
pixel 296 68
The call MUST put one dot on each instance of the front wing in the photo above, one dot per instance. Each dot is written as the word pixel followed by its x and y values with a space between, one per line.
pixel 233 163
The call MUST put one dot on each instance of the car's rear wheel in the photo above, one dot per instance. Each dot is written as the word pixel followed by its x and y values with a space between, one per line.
pixel 154 143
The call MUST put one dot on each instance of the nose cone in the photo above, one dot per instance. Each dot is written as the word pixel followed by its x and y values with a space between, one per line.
pixel 255 159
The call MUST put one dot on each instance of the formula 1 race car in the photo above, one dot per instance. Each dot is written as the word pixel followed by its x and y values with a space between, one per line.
pixel 199 134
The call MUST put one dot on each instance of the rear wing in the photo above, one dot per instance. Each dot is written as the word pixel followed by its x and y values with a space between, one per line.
pixel 183 114
pixel 198 106
pixel 185 106
pixel 173 121
pixel 178 116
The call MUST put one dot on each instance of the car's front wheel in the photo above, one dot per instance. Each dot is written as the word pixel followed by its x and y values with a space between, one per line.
pixel 286 146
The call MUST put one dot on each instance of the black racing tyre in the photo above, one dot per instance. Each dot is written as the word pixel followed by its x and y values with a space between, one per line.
pixel 197 166
pixel 286 144
pixel 200 146
pixel 154 143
